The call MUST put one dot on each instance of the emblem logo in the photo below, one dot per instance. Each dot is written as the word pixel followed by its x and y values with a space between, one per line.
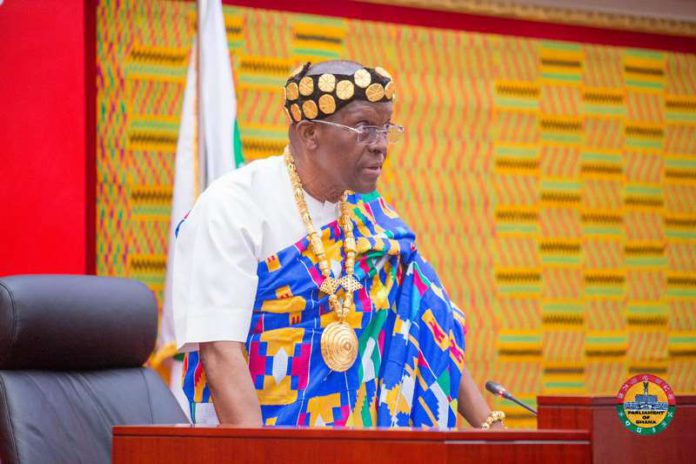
pixel 645 404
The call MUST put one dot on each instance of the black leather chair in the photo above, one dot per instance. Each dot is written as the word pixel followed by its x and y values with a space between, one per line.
pixel 71 355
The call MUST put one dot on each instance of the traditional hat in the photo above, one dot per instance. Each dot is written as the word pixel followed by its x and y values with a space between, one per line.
pixel 321 95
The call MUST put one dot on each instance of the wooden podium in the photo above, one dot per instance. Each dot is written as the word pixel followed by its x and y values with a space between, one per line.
pixel 612 443
pixel 223 444
pixel 570 430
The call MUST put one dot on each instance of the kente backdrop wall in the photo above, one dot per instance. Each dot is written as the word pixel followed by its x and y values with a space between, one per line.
pixel 552 184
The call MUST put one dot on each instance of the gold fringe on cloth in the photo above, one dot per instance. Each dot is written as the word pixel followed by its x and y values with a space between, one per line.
pixel 162 354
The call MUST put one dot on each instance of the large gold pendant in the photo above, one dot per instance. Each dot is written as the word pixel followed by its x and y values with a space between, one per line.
pixel 339 346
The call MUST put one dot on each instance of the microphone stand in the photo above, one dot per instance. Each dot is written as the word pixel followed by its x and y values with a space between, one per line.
pixel 499 390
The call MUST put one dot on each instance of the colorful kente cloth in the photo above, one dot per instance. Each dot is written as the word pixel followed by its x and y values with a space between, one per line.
pixel 411 335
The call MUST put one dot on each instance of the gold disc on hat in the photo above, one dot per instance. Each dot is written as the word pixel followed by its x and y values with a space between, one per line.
pixel 296 113
pixel 310 110
pixel 389 90
pixel 327 82
pixel 291 92
pixel 339 346
pixel 362 78
pixel 288 114
pixel 327 104
pixel 383 72
pixel 374 92
pixel 345 90
pixel 306 86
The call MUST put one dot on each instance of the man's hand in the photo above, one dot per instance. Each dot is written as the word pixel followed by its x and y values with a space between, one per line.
pixel 230 384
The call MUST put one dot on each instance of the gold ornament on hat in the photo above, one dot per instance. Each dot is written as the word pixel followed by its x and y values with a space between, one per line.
pixel 345 90
pixel 306 86
pixel 310 110
pixel 339 344
pixel 374 92
pixel 296 113
pixel 389 90
pixel 327 104
pixel 362 78
pixel 327 82
pixel 383 72
pixel 288 113
pixel 292 92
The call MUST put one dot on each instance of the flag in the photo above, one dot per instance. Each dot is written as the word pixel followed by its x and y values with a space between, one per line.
pixel 222 145
pixel 208 147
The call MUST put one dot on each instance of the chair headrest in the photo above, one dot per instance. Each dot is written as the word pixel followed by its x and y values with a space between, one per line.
pixel 70 322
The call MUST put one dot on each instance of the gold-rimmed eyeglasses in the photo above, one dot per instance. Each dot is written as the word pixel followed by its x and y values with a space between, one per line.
pixel 371 134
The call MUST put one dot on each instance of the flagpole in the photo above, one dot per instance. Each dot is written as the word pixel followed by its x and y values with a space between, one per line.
pixel 199 155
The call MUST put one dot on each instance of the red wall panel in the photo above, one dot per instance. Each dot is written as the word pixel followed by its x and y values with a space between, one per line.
pixel 46 136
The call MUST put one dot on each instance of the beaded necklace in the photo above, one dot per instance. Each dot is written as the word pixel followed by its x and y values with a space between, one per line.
pixel 339 344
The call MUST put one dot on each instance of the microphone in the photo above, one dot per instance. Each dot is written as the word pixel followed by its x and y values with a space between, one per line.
pixel 500 391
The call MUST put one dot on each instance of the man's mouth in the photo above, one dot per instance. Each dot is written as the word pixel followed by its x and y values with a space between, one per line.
pixel 375 169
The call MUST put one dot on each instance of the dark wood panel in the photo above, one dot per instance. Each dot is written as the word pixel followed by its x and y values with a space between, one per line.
pixel 186 430
pixel 611 441
pixel 524 452
pixel 282 450
pixel 176 444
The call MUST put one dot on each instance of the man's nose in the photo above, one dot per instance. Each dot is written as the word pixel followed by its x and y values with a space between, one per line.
pixel 380 143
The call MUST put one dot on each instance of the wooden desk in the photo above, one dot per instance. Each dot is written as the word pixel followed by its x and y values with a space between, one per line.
pixel 612 443
pixel 224 444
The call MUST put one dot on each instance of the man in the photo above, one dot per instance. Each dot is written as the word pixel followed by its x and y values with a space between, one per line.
pixel 300 296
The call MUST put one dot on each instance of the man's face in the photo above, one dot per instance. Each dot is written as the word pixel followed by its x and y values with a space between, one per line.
pixel 351 164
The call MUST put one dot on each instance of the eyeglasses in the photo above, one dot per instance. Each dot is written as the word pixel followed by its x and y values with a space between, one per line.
pixel 371 134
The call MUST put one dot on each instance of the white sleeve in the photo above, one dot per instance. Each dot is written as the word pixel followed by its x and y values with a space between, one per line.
pixel 215 261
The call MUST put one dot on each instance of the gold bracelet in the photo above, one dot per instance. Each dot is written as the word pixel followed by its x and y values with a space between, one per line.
pixel 493 417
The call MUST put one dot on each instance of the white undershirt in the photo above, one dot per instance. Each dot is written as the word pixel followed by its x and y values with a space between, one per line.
pixel 240 220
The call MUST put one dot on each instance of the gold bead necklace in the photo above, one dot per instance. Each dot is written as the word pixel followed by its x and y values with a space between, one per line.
pixel 339 344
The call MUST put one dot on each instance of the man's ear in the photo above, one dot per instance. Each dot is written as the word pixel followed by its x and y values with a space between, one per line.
pixel 308 134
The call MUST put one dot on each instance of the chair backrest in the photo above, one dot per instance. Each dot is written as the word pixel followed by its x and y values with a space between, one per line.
pixel 71 356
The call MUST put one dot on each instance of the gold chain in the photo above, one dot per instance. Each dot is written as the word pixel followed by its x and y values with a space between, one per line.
pixel 330 285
